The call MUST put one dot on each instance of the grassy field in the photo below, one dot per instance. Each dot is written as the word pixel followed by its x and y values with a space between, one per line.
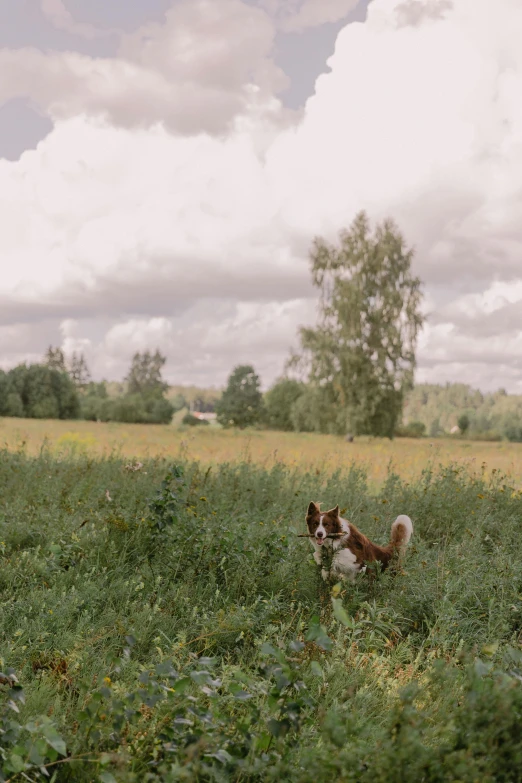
pixel 165 623
pixel 409 457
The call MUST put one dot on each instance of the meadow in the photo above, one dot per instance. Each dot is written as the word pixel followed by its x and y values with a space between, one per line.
pixel 162 621
pixel 210 445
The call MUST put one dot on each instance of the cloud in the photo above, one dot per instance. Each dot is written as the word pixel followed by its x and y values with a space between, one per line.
pixel 203 348
pixel 62 19
pixel 200 242
pixel 206 66
pixel 415 12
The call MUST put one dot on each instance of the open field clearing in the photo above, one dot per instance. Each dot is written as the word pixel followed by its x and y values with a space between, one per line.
pixel 164 623
pixel 209 445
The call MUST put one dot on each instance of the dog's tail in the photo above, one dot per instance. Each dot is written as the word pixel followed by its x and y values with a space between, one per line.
pixel 401 531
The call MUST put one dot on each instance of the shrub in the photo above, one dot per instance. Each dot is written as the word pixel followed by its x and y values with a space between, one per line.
pixel 513 433
pixel 184 633
pixel 279 401
pixel 414 429
pixel 463 423
pixel 193 421
pixel 38 392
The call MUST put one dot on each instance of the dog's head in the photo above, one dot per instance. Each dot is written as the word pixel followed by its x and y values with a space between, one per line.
pixel 322 524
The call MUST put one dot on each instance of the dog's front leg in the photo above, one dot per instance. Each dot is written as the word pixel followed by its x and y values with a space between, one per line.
pixel 325 574
pixel 317 557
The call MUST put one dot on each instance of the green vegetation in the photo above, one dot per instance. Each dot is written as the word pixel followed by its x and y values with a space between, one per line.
pixel 54 391
pixel 142 402
pixel 359 359
pixel 280 404
pixel 194 398
pixel 241 404
pixel 414 429
pixel 192 421
pixel 165 623
pixel 492 416
pixel 38 392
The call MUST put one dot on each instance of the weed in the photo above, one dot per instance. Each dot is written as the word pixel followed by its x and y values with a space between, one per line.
pixel 180 633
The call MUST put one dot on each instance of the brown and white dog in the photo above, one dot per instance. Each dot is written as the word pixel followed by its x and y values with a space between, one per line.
pixel 350 550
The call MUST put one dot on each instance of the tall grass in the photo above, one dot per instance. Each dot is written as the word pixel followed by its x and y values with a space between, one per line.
pixel 307 451
pixel 167 624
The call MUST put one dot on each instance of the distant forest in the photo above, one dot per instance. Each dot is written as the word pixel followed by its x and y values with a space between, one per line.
pixel 490 416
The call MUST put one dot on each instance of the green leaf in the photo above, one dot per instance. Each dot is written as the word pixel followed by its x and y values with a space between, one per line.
pixel 35 757
pixel 316 669
pixel 268 649
pixel 106 777
pixel 489 649
pixel 482 668
pixel 278 728
pixel 317 633
pixel 221 755
pixel 340 612
pixel 54 740
pixel 16 762
pixel 242 695
pixel 180 686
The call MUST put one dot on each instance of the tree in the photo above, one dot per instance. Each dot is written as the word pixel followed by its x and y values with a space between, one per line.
pixel 178 402
pixel 279 402
pixel 361 356
pixel 40 392
pixel 241 404
pixel 10 401
pixel 79 371
pixel 55 359
pixel 463 423
pixel 145 374
pixel 309 414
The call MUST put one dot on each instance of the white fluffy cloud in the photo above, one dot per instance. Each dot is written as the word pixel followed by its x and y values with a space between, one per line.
pixel 199 243
pixel 207 65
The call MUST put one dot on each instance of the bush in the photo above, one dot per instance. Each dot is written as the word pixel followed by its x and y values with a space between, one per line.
pixel 193 421
pixel 96 405
pixel 463 423
pixel 38 392
pixel 513 433
pixel 414 429
pixel 184 633
pixel 279 402
pixel 135 409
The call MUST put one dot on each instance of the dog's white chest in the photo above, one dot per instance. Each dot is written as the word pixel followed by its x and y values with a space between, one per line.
pixel 344 563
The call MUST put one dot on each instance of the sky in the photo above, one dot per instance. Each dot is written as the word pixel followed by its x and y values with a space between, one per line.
pixel 166 164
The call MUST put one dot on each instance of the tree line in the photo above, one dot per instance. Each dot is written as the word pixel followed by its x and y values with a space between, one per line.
pixel 61 389
pixel 352 370
pixel 439 409
pixel 352 373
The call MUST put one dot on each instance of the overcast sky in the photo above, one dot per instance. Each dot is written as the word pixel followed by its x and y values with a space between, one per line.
pixel 165 164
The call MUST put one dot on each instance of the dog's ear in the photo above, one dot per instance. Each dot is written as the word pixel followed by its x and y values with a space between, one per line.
pixel 334 512
pixel 313 508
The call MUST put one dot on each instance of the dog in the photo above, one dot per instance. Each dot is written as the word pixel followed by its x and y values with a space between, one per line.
pixel 348 549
